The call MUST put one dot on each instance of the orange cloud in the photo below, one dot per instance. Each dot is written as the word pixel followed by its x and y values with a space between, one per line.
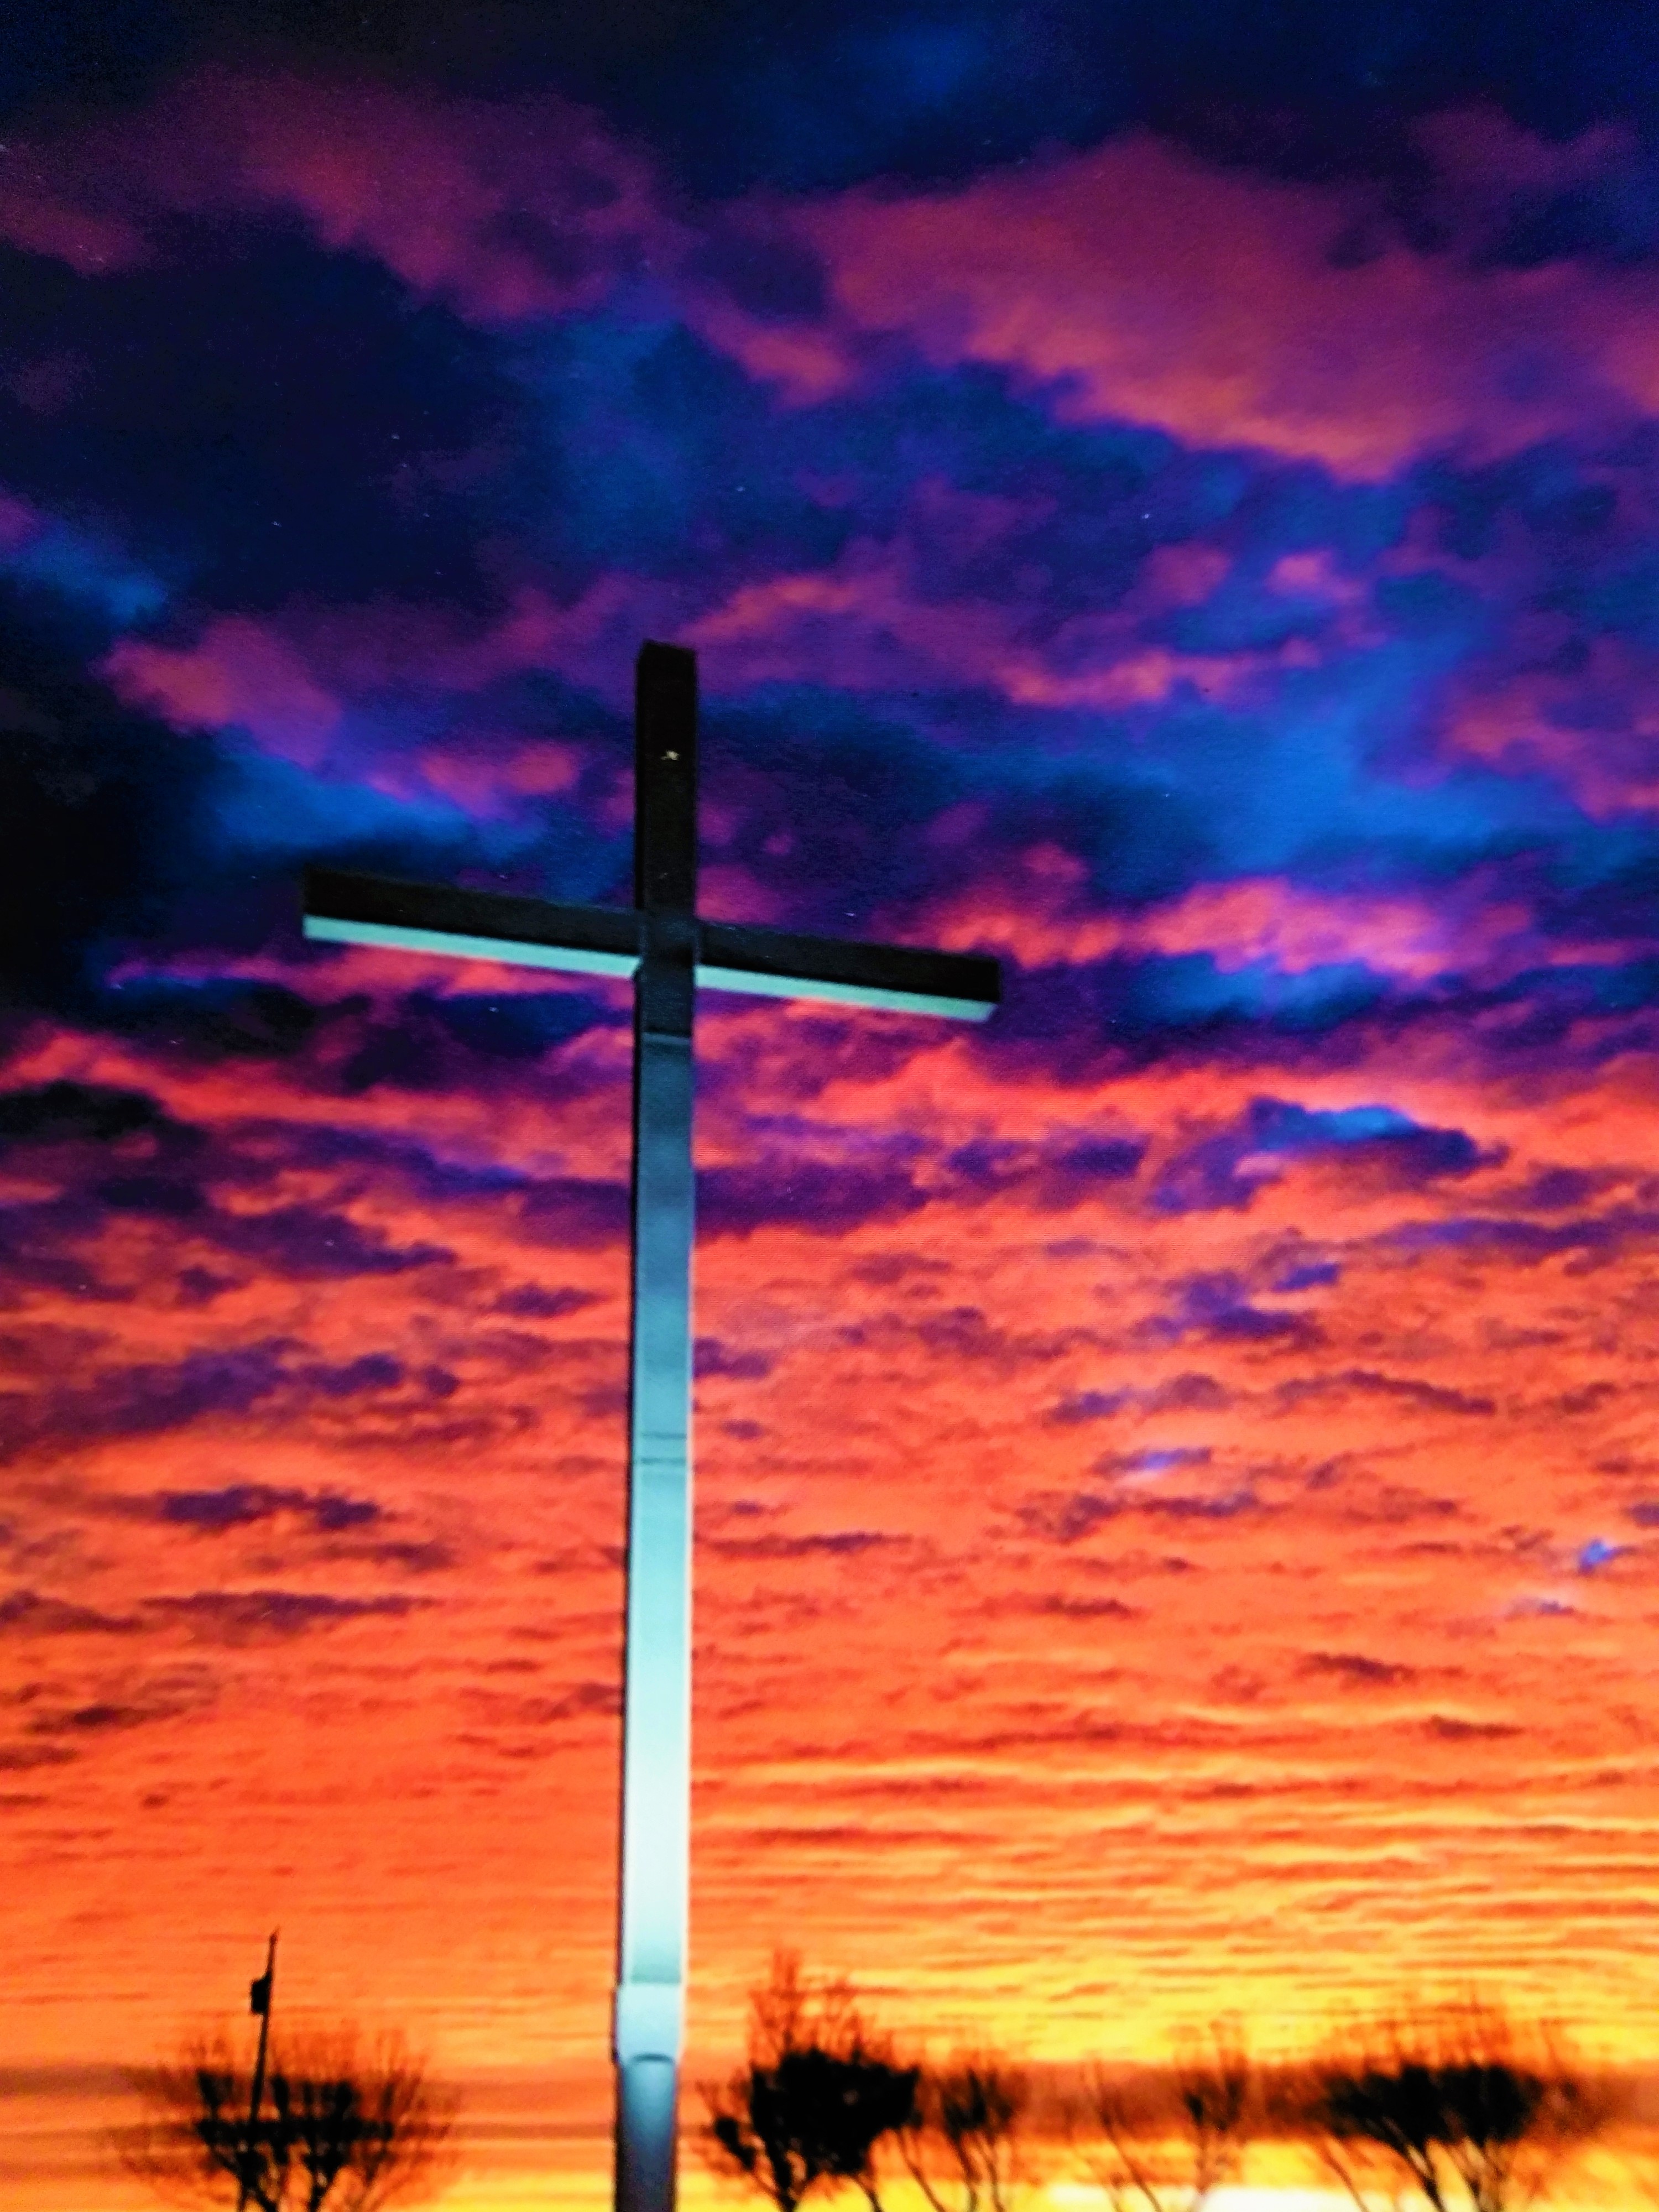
pixel 1177 1662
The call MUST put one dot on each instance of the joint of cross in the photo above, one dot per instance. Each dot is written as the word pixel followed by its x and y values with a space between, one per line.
pixel 671 933
pixel 649 2022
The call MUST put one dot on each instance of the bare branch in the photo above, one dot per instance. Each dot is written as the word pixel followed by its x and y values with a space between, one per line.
pixel 341 2125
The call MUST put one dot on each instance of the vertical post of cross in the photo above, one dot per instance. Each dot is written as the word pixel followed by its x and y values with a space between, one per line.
pixel 655 1846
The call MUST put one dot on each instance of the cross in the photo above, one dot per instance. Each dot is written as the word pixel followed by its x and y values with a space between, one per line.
pixel 668 950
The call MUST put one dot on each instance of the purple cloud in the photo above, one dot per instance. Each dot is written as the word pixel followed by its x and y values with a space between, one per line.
pixel 244 1616
pixel 25 1612
pixel 242 1504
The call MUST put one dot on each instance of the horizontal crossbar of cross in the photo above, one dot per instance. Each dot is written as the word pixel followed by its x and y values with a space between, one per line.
pixel 342 908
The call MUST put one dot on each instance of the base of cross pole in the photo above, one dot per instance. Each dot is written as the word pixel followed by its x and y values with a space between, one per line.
pixel 646 2045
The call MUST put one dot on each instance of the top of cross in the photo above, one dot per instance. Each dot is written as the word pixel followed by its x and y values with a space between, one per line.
pixel 348 907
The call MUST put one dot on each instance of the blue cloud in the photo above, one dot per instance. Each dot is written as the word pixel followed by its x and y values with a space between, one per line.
pixel 1218 1305
pixel 88 572
pixel 1215 1173
pixel 1161 1460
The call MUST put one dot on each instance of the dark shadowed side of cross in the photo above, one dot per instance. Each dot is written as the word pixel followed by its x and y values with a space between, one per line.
pixel 668 951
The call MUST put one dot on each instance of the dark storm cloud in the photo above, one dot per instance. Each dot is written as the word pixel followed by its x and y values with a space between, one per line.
pixel 209 1018
pixel 168 1696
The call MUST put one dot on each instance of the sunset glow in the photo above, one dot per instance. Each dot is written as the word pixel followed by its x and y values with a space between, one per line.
pixel 1178 1524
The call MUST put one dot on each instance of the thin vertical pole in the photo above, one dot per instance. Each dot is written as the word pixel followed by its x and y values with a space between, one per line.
pixel 259 1996
pixel 650 1998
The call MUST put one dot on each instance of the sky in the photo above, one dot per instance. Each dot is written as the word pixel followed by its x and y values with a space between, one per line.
pixel 1167 497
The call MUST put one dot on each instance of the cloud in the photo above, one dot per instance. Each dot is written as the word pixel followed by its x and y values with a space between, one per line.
pixel 76 562
pixel 68 1112
pixel 27 1612
pixel 843 1543
pixel 1088 1406
pixel 247 1616
pixel 532 1302
pixel 824 1197
pixel 1218 1304
pixel 152 1398
pixel 312 1244
pixel 143 1400
pixel 1189 1392
pixel 1154 1460
pixel 714 1358
pixel 1452 1728
pixel 237 675
pixel 574 1213
pixel 1430 1397
pixel 242 1504
pixel 1044 916
pixel 1276 716
pixel 1136 281
pixel 1055 1176
pixel 1229 1169
pixel 1066 1519
pixel 1357 1669
pixel 506 209
pixel 57 1240
pixel 102 807
pixel 1055 1605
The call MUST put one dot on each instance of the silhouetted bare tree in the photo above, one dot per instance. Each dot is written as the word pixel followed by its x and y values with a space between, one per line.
pixel 1458 2103
pixel 963 2139
pixel 339 2125
pixel 1165 2141
pixel 820 2090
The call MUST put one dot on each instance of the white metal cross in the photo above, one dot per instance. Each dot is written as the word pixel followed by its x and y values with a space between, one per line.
pixel 662 944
